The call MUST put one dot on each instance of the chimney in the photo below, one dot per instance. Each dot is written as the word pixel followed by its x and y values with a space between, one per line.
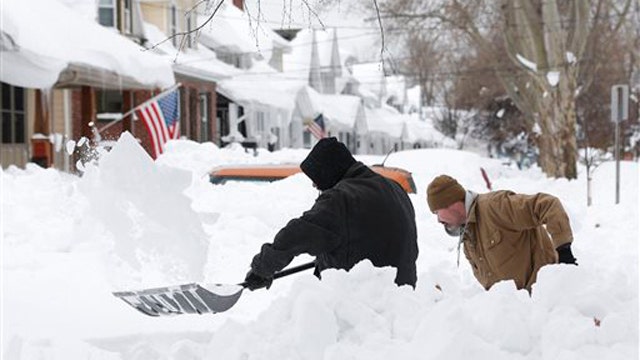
pixel 239 4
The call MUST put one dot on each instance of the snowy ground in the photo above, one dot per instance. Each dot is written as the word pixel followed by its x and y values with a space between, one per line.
pixel 68 242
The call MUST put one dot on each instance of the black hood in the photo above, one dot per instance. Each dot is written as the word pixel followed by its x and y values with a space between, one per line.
pixel 327 163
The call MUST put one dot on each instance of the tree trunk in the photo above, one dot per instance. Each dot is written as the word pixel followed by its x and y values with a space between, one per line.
pixel 549 156
pixel 536 35
pixel 557 141
pixel 547 42
pixel 569 145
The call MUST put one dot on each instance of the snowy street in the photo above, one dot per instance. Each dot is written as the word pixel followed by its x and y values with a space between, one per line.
pixel 130 223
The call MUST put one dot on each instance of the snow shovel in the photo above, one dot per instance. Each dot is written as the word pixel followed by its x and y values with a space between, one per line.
pixel 192 298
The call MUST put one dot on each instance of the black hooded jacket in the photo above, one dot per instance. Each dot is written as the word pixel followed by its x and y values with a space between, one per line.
pixel 364 216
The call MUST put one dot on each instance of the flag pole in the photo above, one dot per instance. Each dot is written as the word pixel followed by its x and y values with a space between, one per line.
pixel 162 94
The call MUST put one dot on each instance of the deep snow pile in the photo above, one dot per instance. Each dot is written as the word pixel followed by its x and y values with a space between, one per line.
pixel 69 241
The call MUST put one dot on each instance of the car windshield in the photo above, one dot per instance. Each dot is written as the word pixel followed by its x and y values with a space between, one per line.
pixel 221 180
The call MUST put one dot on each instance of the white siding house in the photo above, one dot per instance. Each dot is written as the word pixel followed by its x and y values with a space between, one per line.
pixel 343 115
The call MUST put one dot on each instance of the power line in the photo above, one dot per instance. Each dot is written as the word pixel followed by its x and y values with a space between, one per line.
pixel 334 26
pixel 473 71
pixel 304 71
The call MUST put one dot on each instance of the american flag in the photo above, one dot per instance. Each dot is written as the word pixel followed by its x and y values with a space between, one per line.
pixel 316 127
pixel 161 117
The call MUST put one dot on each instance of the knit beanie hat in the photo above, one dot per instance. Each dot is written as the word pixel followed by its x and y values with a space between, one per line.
pixel 327 163
pixel 444 191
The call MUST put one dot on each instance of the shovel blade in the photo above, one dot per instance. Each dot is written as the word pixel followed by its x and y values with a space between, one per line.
pixel 182 299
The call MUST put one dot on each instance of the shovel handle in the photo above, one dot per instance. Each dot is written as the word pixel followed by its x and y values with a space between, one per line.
pixel 293 270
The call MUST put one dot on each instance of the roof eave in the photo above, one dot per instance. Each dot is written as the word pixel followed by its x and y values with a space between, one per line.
pixel 77 74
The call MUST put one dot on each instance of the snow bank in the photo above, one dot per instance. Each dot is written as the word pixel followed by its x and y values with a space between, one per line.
pixel 362 314
pixel 202 158
pixel 36 195
pixel 144 206
pixel 69 241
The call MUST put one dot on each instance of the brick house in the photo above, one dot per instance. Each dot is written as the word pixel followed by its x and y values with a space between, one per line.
pixel 55 83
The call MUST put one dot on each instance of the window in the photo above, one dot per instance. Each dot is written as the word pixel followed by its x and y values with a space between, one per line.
pixel 306 139
pixel 240 61
pixel 273 138
pixel 276 59
pixel 205 132
pixel 229 58
pixel 109 104
pixel 117 14
pixel 184 128
pixel 348 89
pixel 12 104
pixel 244 61
pixel 191 35
pixel 127 17
pixel 173 25
pixel 189 28
pixel 222 115
pixel 107 13
pixel 260 122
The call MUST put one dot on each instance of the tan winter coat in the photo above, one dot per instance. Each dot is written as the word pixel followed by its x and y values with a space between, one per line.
pixel 505 237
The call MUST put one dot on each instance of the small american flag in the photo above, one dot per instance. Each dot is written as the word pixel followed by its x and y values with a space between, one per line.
pixel 316 127
pixel 161 118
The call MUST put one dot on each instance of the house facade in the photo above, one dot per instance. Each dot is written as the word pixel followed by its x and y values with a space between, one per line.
pixel 170 30
pixel 254 105
pixel 256 88
pixel 57 88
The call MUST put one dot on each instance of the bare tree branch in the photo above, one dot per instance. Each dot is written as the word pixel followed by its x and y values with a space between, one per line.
pixel 375 3
pixel 315 14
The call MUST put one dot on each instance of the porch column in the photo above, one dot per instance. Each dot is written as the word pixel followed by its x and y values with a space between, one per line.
pixel 194 114
pixel 41 149
pixel 41 121
pixel 213 110
pixel 127 104
pixel 88 110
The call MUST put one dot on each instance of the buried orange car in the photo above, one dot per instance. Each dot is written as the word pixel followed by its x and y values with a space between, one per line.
pixel 268 173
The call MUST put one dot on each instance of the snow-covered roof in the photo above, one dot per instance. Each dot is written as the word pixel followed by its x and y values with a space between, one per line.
pixel 341 110
pixel 413 96
pixel 232 30
pixel 370 76
pixel 200 62
pixel 385 120
pixel 262 85
pixel 418 130
pixel 85 8
pixel 44 37
pixel 396 86
pixel 409 128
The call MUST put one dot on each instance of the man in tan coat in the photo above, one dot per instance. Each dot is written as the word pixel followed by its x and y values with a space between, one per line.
pixel 506 236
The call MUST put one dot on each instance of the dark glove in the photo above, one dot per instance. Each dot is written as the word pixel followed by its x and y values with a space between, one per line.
pixel 564 254
pixel 254 281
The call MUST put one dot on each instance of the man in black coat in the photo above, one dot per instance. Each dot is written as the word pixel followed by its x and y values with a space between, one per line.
pixel 358 215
